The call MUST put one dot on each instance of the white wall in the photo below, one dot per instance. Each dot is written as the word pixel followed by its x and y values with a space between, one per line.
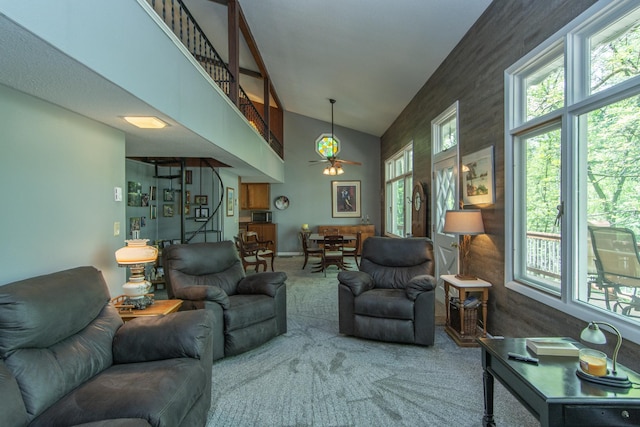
pixel 58 170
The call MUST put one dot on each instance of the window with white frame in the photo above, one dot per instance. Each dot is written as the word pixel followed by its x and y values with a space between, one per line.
pixel 572 162
pixel 398 186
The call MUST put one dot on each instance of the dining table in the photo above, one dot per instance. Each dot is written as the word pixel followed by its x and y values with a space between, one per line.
pixel 319 238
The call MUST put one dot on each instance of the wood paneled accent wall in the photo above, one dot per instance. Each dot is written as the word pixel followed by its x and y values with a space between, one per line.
pixel 473 74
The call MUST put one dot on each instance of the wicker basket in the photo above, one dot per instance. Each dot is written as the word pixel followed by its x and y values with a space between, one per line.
pixel 470 319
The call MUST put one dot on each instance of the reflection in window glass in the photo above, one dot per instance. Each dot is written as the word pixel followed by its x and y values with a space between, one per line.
pixel 613 204
pixel 540 196
pixel 449 134
pixel 615 53
pixel 545 88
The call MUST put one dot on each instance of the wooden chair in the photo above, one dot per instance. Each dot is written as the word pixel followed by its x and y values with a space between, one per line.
pixel 309 251
pixel 249 256
pixel 353 251
pixel 265 248
pixel 333 252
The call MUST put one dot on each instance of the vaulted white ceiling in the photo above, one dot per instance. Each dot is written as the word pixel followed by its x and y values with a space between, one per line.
pixel 372 56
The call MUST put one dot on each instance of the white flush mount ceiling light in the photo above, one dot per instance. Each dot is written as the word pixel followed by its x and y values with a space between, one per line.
pixel 145 122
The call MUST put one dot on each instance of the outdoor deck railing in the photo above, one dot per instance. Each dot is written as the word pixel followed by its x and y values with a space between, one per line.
pixel 543 254
pixel 178 18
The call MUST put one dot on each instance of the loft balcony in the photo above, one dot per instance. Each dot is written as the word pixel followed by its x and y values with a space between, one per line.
pixel 107 60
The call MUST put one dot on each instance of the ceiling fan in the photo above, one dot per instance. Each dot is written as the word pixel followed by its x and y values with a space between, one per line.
pixel 330 149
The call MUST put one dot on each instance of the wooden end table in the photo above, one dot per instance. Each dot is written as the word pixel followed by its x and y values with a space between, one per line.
pixel 462 338
pixel 159 307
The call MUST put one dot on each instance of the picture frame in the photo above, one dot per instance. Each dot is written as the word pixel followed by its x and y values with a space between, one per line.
pixel 188 176
pixel 153 211
pixel 167 195
pixel 345 199
pixel 478 182
pixel 230 201
pixel 187 209
pixel 134 193
pixel 200 200
pixel 152 193
pixel 167 210
pixel 201 214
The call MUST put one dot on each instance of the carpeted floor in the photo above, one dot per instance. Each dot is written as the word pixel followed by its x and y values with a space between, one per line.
pixel 313 376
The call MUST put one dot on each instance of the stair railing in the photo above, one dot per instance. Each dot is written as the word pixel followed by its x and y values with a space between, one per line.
pixel 182 23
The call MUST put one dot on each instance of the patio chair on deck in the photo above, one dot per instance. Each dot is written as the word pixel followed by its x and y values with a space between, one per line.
pixel 618 265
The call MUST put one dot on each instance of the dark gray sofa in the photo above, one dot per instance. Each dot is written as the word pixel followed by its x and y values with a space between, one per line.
pixel 392 297
pixel 248 310
pixel 66 358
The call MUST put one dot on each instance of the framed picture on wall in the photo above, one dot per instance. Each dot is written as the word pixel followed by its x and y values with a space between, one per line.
pixel 152 192
pixel 200 200
pixel 167 210
pixel 202 214
pixel 345 199
pixel 168 195
pixel 230 201
pixel 153 212
pixel 188 176
pixel 477 178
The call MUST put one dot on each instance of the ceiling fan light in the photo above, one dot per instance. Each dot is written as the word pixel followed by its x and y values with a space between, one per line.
pixel 326 171
pixel 340 170
pixel 332 171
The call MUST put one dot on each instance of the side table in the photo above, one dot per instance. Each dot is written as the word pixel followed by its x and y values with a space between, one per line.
pixel 461 336
pixel 159 307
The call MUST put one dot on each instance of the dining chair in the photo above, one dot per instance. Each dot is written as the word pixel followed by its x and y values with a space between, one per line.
pixel 264 248
pixel 618 265
pixel 353 251
pixel 249 256
pixel 308 250
pixel 333 252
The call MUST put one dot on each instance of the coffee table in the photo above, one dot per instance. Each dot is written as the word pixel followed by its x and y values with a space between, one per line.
pixel 552 392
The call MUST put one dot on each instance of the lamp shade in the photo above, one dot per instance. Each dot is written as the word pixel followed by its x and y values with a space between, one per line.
pixel 593 334
pixel 136 252
pixel 463 222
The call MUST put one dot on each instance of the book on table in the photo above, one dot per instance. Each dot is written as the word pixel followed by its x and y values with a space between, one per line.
pixel 552 347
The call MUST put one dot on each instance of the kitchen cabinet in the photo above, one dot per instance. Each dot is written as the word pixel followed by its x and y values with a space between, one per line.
pixel 255 196
pixel 266 231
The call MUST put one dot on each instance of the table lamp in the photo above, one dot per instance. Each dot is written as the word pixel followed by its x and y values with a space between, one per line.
pixel 466 223
pixel 593 334
pixel 135 255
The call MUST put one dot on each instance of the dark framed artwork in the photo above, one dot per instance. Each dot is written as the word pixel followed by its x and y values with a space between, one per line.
pixel 345 199
pixel 200 200
pixel 167 210
pixel 134 193
pixel 167 195
pixel 188 176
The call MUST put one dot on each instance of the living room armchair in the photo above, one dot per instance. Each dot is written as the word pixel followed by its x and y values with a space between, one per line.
pixel 248 310
pixel 392 297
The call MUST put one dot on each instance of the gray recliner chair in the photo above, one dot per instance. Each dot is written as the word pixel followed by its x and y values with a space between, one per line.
pixel 392 297
pixel 248 310
pixel 67 359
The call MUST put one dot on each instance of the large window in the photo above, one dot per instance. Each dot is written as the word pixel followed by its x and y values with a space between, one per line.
pixel 399 184
pixel 572 162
